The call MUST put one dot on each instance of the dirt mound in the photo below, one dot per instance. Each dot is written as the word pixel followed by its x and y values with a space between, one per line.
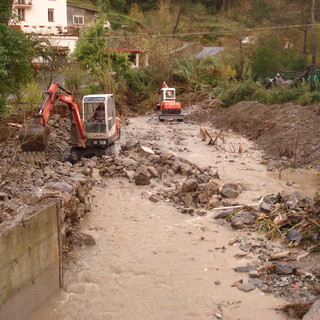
pixel 287 133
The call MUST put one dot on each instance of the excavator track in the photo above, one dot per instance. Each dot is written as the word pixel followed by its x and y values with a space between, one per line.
pixel 171 117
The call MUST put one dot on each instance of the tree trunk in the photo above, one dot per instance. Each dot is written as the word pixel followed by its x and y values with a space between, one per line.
pixel 305 38
pixel 313 63
pixel 241 61
pixel 225 4
pixel 178 17
pixel 305 14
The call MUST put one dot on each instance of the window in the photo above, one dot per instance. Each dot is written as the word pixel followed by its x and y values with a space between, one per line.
pixel 78 20
pixel 21 14
pixel 50 15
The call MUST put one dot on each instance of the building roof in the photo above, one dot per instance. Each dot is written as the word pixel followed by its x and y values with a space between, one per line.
pixel 130 50
pixel 208 51
pixel 126 50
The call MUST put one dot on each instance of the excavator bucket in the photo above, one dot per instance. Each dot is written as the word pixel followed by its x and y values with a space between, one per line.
pixel 33 138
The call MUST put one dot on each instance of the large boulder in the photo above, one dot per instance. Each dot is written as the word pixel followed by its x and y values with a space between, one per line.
pixel 190 185
pixel 211 188
pixel 130 164
pixel 186 169
pixel 61 186
pixel 229 190
pixel 142 176
pixel 215 201
pixel 243 218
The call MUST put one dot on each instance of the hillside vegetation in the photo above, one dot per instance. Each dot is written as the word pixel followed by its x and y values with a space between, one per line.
pixel 173 32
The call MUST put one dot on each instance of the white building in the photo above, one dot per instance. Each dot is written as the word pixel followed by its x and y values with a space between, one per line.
pixel 41 16
pixel 58 21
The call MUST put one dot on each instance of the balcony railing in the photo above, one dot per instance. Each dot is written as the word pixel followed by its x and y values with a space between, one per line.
pixel 22 3
pixel 48 30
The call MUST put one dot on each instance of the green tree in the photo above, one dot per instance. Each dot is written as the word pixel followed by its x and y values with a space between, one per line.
pixel 106 64
pixel 15 57
pixel 5 11
pixel 267 59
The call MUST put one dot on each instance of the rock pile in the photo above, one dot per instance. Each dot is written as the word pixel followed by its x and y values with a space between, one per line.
pixel 292 274
pixel 290 216
pixel 277 271
pixel 26 179
pixel 192 189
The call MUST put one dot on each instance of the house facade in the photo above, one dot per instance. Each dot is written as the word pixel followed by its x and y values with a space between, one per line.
pixel 78 16
pixel 43 17
pixel 59 21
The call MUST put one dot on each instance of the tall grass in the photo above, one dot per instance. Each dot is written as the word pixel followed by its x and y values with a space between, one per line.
pixel 74 78
pixel 196 74
pixel 33 95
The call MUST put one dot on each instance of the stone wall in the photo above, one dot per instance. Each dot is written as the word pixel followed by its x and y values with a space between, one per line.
pixel 30 260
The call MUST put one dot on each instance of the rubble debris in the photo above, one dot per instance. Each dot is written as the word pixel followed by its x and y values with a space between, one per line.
pixel 179 181
pixel 28 179
pixel 299 309
pixel 246 287
pixel 313 312
pixel 294 235
pixel 193 190
pixel 284 268
pixel 243 218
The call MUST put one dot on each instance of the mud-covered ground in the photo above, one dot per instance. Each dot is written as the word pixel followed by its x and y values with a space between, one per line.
pixel 288 134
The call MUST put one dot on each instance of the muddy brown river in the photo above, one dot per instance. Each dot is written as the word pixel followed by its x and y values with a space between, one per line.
pixel 152 262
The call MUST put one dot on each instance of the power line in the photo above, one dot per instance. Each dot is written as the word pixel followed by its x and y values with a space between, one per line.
pixel 205 32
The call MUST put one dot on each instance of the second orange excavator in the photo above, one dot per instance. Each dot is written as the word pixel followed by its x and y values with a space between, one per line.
pixel 170 110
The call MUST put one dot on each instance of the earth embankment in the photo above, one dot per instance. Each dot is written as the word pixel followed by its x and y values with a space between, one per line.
pixel 288 134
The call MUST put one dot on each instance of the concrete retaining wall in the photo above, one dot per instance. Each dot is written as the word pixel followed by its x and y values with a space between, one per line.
pixel 29 261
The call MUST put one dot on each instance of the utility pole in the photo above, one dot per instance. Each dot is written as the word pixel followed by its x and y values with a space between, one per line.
pixel 313 49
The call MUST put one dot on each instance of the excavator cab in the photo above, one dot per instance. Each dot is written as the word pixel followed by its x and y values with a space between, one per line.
pixel 168 94
pixel 100 130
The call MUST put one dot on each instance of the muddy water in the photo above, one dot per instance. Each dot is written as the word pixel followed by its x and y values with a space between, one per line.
pixel 151 262
pixel 305 180
pixel 243 167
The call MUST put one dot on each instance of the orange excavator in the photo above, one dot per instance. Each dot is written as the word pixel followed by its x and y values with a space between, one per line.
pixel 169 109
pixel 88 136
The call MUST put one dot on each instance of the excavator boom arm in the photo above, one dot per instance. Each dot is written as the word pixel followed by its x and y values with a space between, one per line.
pixel 48 103
pixel 70 100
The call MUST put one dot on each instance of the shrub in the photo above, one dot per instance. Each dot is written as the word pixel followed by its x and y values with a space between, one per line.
pixel 308 98
pixel 283 94
pixel 243 91
pixel 140 82
pixel 33 96
pixel 261 95
pixel 266 58
pixel 196 74
pixel 74 78
pixel 2 103
pixel 6 109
